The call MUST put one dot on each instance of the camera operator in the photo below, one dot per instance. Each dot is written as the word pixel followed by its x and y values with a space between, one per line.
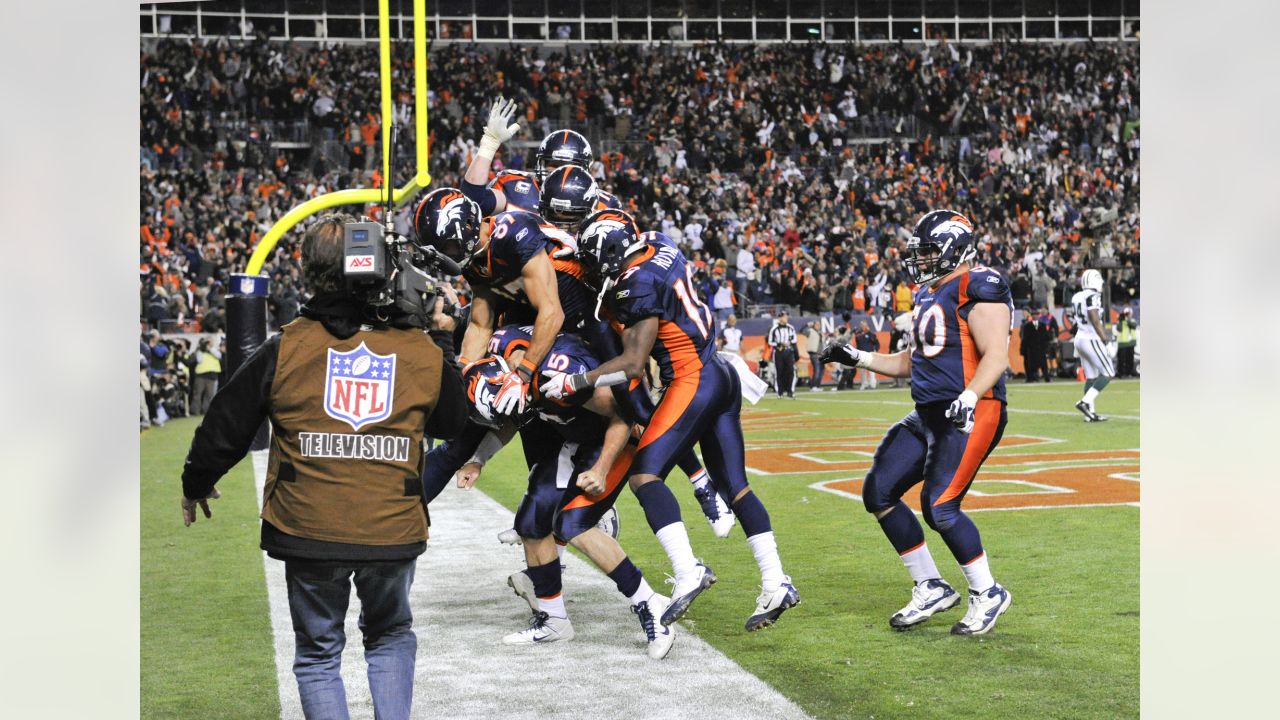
pixel 349 404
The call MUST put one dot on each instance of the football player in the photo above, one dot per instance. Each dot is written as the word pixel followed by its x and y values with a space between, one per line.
pixel 568 196
pixel 567 440
pixel 506 260
pixel 1092 342
pixel 647 293
pixel 561 147
pixel 961 330
pixel 510 189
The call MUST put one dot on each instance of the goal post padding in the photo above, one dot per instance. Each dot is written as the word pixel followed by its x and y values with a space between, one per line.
pixel 247 328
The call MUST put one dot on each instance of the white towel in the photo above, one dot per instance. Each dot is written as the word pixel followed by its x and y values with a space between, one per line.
pixel 753 388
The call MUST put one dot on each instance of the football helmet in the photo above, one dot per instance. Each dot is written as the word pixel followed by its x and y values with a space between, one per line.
pixel 606 239
pixel 482 381
pixel 568 194
pixel 1091 280
pixel 448 221
pixel 562 147
pixel 941 241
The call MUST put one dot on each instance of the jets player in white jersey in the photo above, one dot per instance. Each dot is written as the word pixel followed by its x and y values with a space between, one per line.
pixel 1092 342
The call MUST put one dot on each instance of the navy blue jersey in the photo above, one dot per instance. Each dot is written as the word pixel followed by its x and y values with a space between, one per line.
pixel 515 238
pixel 945 358
pixel 520 189
pixel 571 355
pixel 659 283
pixel 606 201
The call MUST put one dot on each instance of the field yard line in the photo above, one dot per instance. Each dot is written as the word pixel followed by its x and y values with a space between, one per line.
pixel 904 403
pixel 462 607
pixel 846 494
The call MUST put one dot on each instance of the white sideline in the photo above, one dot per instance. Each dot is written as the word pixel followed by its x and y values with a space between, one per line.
pixel 462 607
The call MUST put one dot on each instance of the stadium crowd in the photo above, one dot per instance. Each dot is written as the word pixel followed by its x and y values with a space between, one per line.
pixel 792 174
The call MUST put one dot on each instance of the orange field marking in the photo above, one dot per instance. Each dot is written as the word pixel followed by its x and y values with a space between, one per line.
pixel 1016 476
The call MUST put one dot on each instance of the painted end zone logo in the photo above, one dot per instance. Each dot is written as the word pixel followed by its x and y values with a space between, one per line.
pixel 359 386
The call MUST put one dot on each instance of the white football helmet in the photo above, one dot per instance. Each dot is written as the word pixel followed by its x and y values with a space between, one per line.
pixel 1091 280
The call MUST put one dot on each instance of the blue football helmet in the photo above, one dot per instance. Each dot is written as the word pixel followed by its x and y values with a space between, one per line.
pixel 482 380
pixel 940 243
pixel 568 195
pixel 606 241
pixel 448 221
pixel 562 147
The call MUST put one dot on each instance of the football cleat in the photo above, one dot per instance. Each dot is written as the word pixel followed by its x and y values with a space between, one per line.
pixel 659 636
pixel 771 605
pixel 510 537
pixel 984 608
pixel 685 591
pixel 542 629
pixel 927 599
pixel 522 585
pixel 1087 410
pixel 714 507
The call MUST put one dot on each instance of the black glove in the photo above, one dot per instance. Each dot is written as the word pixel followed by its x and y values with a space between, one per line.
pixel 845 354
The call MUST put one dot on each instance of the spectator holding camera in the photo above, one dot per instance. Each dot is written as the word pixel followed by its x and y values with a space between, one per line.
pixel 350 401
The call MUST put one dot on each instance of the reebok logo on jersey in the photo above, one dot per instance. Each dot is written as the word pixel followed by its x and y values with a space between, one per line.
pixel 993 279
pixel 623 293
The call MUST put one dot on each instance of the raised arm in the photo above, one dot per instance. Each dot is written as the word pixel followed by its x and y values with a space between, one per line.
pixel 498 130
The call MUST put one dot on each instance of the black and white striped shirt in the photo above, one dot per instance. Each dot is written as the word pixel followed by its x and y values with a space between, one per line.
pixel 781 336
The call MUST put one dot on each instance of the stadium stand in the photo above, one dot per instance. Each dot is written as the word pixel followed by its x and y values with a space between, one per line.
pixel 801 166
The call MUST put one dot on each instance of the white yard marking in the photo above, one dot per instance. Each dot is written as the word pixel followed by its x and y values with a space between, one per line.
pixel 462 607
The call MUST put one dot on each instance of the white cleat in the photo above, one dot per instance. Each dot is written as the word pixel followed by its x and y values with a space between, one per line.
pixel 771 605
pixel 522 585
pixel 984 608
pixel 685 591
pixel 715 509
pixel 542 629
pixel 927 598
pixel 660 637
pixel 510 537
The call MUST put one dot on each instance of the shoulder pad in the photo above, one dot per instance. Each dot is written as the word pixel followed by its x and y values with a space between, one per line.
pixel 986 285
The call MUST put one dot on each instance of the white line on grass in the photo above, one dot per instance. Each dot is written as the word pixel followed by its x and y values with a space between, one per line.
pixel 462 607
pixel 904 403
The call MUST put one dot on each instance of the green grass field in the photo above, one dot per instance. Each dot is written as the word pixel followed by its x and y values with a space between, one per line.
pixel 1067 648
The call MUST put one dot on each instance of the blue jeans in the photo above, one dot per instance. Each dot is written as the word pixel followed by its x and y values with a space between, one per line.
pixel 318 597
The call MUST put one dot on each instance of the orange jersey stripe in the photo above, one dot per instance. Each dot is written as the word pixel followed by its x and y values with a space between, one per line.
pixel 986 418
pixel 617 472
pixel 680 348
pixel 677 399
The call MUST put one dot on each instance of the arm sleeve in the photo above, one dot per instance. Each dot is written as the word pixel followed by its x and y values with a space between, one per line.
pixel 228 428
pixel 481 194
pixel 449 417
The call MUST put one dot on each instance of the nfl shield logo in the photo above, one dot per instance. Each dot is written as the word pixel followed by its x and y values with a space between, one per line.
pixel 359 385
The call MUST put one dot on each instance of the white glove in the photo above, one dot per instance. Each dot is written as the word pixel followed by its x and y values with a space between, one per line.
pixel 560 385
pixel 1113 349
pixel 500 127
pixel 961 411
pixel 511 394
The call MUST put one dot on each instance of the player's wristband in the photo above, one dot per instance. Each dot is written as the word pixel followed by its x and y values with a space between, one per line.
pixel 864 360
pixel 527 369
pixel 488 146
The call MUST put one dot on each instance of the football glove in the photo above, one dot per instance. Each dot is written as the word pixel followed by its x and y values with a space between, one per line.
pixel 845 354
pixel 961 411
pixel 500 127
pixel 511 394
pixel 561 385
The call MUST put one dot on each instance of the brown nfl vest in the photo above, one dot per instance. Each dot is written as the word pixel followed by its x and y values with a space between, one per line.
pixel 347 419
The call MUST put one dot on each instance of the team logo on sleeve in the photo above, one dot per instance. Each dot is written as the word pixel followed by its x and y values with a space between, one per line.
pixel 359 386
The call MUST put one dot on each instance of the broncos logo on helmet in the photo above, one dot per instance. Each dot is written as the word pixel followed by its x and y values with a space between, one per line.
pixel 481 378
pixel 941 242
pixel 448 221
pixel 606 239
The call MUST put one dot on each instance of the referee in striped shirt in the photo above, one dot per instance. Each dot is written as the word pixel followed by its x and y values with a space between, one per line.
pixel 782 339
